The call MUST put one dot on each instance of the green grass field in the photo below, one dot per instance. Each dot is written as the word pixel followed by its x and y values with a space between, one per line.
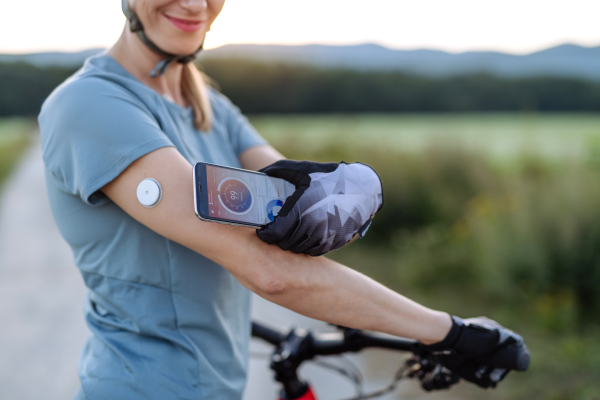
pixel 496 135
pixel 14 137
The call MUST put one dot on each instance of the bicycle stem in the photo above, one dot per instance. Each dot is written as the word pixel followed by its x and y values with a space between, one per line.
pixel 286 360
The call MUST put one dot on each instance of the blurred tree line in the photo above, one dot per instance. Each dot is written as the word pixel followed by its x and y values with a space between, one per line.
pixel 275 88
pixel 24 87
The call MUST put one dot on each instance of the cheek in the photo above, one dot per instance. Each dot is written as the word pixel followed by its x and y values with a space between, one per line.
pixel 214 8
pixel 147 11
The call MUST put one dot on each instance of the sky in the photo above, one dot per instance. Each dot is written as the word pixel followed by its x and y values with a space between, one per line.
pixel 513 26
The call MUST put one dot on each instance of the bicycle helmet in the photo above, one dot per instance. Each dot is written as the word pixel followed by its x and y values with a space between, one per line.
pixel 135 26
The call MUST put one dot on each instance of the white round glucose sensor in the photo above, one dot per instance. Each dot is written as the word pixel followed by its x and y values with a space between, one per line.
pixel 149 192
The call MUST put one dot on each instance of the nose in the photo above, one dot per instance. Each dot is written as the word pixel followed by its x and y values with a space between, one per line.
pixel 194 6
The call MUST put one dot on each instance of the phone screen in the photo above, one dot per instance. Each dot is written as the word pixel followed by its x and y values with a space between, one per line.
pixel 244 196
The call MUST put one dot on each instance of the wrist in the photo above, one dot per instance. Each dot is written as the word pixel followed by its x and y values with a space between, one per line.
pixel 439 328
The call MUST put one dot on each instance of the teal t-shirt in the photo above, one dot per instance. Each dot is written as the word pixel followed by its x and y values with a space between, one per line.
pixel 166 322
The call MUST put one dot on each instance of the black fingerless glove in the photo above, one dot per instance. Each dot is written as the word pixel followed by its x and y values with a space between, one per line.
pixel 481 351
pixel 332 203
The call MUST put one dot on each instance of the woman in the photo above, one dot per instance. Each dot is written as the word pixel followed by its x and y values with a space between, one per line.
pixel 168 299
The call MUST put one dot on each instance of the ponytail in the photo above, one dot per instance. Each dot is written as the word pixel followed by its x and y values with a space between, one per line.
pixel 194 87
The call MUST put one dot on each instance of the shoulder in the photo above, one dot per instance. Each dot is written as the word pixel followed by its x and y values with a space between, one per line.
pixel 91 101
pixel 85 94
pixel 217 98
pixel 221 105
pixel 100 86
pixel 90 110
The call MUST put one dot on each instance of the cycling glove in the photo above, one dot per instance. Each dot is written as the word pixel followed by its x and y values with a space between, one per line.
pixel 331 204
pixel 481 351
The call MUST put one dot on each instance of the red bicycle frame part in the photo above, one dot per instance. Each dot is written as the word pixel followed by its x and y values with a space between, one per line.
pixel 308 395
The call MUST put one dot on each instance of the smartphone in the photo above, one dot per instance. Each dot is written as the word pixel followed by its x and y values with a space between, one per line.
pixel 237 196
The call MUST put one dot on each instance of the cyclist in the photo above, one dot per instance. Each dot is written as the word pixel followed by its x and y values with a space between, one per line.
pixel 168 299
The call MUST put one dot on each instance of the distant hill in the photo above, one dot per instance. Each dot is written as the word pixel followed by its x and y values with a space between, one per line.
pixel 563 61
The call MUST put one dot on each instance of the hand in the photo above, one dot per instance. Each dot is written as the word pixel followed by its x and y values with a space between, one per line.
pixel 481 351
pixel 331 204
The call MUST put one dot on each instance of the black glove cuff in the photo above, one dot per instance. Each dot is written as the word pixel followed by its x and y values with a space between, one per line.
pixel 451 338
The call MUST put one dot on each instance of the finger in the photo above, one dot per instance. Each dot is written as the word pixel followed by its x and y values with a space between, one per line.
pixel 279 230
pixel 304 244
pixel 307 236
pixel 311 229
pixel 497 374
pixel 480 374
pixel 302 230
pixel 451 361
pixel 320 247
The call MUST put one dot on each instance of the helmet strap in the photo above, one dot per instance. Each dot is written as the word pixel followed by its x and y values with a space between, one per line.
pixel 135 26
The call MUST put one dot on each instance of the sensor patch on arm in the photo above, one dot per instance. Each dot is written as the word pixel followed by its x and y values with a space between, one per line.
pixel 149 192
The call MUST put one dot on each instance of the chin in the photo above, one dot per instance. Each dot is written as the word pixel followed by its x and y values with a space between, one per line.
pixel 179 48
pixel 182 50
pixel 177 42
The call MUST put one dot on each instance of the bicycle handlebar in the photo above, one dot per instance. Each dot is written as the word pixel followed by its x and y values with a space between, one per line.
pixel 299 345
pixel 267 334
pixel 325 344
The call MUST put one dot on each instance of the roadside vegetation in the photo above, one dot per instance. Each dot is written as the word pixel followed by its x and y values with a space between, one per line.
pixel 14 138
pixel 514 238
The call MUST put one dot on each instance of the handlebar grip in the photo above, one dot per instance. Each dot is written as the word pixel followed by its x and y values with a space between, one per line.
pixel 516 357
pixel 513 357
pixel 267 334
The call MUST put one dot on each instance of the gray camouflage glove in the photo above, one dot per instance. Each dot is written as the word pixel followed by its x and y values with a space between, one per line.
pixel 331 204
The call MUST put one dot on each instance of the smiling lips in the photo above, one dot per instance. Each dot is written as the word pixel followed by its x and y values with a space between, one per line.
pixel 185 25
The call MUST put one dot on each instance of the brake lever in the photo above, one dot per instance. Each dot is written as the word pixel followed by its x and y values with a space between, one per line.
pixel 433 376
pixel 440 378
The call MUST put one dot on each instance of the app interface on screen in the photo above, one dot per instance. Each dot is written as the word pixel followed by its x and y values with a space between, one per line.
pixel 244 196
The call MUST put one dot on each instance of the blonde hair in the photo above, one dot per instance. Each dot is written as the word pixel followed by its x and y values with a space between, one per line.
pixel 194 85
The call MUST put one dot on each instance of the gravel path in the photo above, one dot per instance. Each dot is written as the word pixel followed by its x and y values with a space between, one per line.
pixel 41 295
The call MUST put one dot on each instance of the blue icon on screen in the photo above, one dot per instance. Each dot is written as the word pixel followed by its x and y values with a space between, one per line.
pixel 273 208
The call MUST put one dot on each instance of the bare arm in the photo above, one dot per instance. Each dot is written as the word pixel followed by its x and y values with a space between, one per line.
pixel 258 157
pixel 316 287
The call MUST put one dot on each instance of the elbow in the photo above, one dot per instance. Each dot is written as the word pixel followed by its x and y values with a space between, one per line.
pixel 272 284
pixel 280 274
pixel 270 276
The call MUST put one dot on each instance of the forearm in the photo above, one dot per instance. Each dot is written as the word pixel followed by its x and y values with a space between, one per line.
pixel 316 287
pixel 334 293
pixel 323 289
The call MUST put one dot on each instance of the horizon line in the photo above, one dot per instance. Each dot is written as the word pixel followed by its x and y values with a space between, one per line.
pixel 74 51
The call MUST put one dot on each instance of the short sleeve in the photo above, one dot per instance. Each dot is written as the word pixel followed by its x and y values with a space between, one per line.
pixel 242 134
pixel 92 130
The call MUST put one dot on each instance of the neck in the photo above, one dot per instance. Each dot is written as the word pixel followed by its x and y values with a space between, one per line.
pixel 139 60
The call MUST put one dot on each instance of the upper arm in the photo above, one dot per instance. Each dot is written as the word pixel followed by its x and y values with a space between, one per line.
pixel 241 133
pixel 100 140
pixel 91 131
pixel 258 157
pixel 237 249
